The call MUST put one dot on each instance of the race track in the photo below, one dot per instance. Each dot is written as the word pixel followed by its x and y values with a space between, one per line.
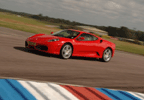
pixel 125 71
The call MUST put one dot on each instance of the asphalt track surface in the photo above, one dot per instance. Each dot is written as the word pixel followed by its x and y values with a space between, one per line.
pixel 125 71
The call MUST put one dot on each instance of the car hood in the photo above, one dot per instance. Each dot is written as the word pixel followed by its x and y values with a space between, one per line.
pixel 43 38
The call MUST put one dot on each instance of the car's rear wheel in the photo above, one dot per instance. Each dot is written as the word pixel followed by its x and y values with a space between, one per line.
pixel 66 51
pixel 107 54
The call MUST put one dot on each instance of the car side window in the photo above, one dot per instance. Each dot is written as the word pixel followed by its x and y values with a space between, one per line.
pixel 88 37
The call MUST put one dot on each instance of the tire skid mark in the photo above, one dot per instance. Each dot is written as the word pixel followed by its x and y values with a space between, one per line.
pixel 32 90
pixel 75 92
pixel 98 94
pixel 58 91
pixel 128 95
pixel 16 89
pixel 38 91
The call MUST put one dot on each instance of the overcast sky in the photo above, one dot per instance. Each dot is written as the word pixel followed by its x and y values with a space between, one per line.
pixel 129 13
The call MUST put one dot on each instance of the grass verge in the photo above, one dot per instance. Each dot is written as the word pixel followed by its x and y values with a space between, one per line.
pixel 24 24
pixel 128 47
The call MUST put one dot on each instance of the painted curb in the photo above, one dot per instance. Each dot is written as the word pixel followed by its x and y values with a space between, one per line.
pixel 30 90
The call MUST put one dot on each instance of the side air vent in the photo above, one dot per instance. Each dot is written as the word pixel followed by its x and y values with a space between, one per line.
pixel 101 41
pixel 97 53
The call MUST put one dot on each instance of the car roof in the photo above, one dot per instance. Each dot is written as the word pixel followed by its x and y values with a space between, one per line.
pixel 83 32
pixel 79 31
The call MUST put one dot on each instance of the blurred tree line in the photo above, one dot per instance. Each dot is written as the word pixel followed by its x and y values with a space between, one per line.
pixel 123 32
pixel 112 31
pixel 44 18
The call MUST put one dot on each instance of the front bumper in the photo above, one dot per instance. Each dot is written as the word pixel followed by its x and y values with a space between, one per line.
pixel 51 47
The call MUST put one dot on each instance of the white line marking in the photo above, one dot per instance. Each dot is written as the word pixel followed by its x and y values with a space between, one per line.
pixel 31 90
pixel 64 91
pixel 46 91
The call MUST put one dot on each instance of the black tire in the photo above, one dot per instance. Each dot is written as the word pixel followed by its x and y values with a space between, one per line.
pixel 66 51
pixel 107 55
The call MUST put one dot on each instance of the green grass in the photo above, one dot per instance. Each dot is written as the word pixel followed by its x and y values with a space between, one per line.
pixel 35 26
pixel 20 19
pixel 24 24
pixel 128 47
pixel 24 28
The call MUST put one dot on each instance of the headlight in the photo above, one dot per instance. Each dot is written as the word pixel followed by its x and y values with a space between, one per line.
pixel 53 40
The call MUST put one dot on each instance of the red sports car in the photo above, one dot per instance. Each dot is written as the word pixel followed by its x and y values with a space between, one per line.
pixel 71 42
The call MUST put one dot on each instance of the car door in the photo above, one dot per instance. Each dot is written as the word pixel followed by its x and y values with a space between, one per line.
pixel 88 45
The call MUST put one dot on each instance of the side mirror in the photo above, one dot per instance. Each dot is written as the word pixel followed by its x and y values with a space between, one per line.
pixel 81 38
pixel 52 32
pixel 101 41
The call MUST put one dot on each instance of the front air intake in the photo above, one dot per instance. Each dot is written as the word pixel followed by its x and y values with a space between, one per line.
pixel 26 44
pixel 42 47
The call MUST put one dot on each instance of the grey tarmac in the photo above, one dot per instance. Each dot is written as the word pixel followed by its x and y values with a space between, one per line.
pixel 125 71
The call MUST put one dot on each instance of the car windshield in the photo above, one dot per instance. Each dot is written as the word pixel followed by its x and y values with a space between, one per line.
pixel 66 33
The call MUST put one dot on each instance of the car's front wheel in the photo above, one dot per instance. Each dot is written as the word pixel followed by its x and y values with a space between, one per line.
pixel 66 51
pixel 107 54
